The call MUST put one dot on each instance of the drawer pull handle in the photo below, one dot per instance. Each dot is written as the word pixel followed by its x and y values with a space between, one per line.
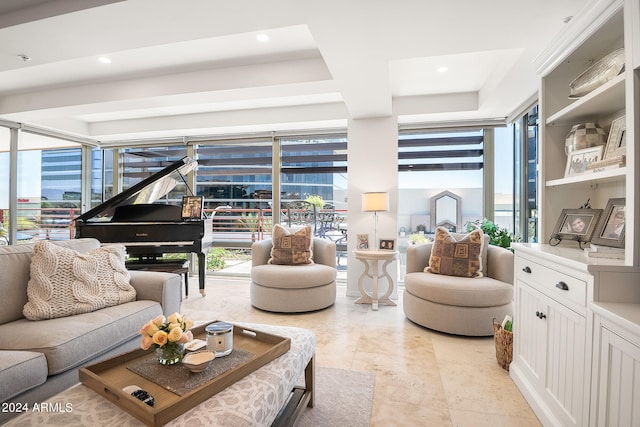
pixel 540 315
pixel 562 285
pixel 526 269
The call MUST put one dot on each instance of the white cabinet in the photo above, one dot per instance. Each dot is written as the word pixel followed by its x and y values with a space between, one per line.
pixel 550 339
pixel 576 352
pixel 577 319
pixel 616 376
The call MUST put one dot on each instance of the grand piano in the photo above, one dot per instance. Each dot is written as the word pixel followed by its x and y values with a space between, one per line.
pixel 149 229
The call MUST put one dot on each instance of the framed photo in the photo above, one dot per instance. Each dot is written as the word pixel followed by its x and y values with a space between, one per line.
pixel 616 141
pixel 192 207
pixel 610 229
pixel 576 224
pixel 577 161
pixel 387 245
pixel 363 241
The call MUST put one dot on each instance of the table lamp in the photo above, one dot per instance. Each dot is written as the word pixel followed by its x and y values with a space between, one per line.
pixel 375 202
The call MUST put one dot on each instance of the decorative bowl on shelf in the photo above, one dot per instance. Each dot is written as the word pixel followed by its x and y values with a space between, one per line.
pixel 598 74
pixel 198 361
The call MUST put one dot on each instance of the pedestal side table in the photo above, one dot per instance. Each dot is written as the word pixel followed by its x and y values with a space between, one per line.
pixel 371 260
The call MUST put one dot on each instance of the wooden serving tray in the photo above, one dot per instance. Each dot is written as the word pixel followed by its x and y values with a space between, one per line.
pixel 108 378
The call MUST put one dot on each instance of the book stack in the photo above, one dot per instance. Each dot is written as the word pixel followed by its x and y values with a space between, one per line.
pixel 597 251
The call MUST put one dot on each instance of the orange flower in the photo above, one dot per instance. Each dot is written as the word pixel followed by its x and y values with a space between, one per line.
pixel 188 323
pixel 175 334
pixel 186 337
pixel 174 318
pixel 146 342
pixel 160 338
pixel 158 321
pixel 161 330
pixel 149 329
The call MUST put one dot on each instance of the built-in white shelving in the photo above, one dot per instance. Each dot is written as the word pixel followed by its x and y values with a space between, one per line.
pixel 598 313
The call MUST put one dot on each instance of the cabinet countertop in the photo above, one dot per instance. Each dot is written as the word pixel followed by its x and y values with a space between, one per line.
pixel 574 257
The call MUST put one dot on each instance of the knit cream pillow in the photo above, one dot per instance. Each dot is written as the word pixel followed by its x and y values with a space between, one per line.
pixel 65 282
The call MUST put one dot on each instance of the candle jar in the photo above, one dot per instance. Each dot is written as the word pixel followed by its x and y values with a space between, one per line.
pixel 220 338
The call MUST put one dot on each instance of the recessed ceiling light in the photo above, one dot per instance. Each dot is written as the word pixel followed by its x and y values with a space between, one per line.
pixel 262 37
pixel 104 60
pixel 442 69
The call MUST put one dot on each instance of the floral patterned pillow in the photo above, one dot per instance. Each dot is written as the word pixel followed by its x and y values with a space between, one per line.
pixel 291 247
pixel 463 258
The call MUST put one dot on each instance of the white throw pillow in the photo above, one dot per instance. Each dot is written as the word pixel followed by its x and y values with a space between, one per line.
pixel 65 282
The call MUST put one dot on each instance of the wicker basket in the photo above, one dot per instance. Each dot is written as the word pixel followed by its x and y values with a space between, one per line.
pixel 504 345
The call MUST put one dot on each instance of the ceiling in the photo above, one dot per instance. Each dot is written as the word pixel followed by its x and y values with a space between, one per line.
pixel 195 67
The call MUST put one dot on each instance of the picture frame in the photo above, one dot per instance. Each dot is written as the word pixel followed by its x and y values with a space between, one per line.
pixel 611 227
pixel 192 208
pixel 616 147
pixel 387 245
pixel 577 161
pixel 576 224
pixel 362 241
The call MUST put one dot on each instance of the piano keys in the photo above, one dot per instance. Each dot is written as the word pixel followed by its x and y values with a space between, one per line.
pixel 148 228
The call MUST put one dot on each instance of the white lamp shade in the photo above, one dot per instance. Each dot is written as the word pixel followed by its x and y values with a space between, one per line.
pixel 375 202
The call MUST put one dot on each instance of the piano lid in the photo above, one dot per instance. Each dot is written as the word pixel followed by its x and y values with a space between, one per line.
pixel 145 192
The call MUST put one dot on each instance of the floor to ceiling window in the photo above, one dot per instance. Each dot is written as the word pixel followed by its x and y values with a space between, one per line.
pixel 315 166
pixel 5 145
pixel 136 164
pixel 444 178
pixel 526 176
pixel 49 187
pixel 503 176
pixel 431 163
pixel 235 173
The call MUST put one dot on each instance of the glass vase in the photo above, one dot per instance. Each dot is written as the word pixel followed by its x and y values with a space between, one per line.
pixel 170 353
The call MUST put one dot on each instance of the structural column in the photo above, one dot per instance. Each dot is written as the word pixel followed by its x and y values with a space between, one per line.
pixel 372 166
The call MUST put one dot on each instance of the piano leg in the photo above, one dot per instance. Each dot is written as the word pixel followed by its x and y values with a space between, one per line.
pixel 202 271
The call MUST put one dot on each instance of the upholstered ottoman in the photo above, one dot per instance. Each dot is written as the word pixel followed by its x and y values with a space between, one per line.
pixel 258 399
pixel 293 288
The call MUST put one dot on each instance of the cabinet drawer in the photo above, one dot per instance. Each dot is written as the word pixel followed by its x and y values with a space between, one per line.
pixel 556 284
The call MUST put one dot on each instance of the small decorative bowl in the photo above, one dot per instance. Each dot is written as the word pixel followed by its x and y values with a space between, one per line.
pixel 198 361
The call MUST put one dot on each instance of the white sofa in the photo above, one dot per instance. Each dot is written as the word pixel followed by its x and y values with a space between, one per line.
pixel 39 358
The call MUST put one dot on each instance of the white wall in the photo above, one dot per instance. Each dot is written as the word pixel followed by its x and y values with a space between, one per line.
pixel 372 166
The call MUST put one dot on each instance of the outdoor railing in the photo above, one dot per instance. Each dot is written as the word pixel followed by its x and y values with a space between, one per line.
pixel 231 227
pixel 40 224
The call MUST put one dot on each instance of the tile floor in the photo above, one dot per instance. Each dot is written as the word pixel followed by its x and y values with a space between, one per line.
pixel 423 378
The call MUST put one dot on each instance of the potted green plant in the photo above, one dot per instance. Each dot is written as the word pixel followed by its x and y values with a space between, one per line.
pixel 249 222
pixel 316 200
pixel 417 238
pixel 498 236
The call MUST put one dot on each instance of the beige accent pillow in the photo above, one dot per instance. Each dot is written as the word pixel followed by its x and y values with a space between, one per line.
pixel 463 258
pixel 65 282
pixel 291 246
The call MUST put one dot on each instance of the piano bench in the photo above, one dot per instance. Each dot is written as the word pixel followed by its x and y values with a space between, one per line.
pixel 177 266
